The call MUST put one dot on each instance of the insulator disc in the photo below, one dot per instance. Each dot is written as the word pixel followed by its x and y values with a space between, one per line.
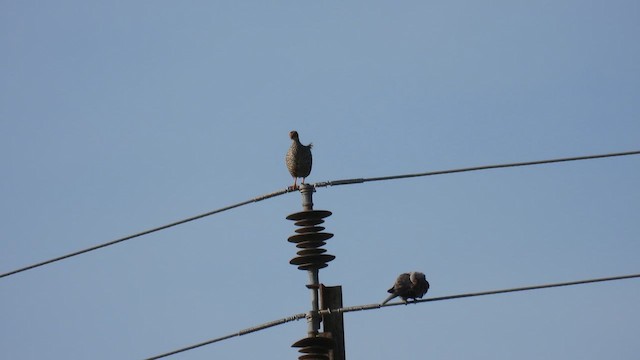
pixel 307 267
pixel 312 259
pixel 311 214
pixel 311 251
pixel 310 229
pixel 313 350
pixel 314 357
pixel 310 244
pixel 309 222
pixel 316 341
pixel 319 236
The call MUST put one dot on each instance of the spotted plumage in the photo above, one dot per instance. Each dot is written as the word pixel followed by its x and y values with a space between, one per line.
pixel 408 286
pixel 298 159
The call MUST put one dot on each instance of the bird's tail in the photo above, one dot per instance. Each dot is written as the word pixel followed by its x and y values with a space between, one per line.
pixel 389 298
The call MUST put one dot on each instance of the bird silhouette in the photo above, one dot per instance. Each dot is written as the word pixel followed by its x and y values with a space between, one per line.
pixel 411 285
pixel 298 159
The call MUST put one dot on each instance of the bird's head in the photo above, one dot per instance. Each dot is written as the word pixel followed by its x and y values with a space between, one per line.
pixel 293 135
pixel 418 276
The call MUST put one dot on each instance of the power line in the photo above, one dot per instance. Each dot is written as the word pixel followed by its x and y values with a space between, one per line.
pixel 378 306
pixel 475 168
pixel 483 293
pixel 146 232
pixel 239 333
pixel 315 185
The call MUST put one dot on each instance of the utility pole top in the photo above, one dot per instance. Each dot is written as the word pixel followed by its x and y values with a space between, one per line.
pixel 311 257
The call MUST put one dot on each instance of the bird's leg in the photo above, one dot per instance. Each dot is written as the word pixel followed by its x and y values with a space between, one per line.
pixel 295 183
pixel 302 181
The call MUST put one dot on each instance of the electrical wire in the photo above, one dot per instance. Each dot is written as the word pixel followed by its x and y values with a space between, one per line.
pixel 475 168
pixel 239 333
pixel 378 306
pixel 146 232
pixel 483 293
pixel 315 185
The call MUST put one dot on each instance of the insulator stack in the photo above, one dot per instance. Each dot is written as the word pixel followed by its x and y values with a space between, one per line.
pixel 314 348
pixel 310 239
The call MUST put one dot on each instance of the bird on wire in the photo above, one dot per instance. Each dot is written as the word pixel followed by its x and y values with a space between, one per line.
pixel 298 159
pixel 411 285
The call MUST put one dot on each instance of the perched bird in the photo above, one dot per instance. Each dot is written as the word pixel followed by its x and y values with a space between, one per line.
pixel 298 159
pixel 411 285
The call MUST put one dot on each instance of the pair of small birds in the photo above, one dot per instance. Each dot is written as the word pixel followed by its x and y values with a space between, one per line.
pixel 411 285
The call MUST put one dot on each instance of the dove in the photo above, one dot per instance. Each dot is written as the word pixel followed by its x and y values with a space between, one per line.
pixel 411 285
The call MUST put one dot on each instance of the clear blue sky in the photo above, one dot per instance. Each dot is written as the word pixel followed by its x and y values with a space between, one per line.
pixel 119 116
